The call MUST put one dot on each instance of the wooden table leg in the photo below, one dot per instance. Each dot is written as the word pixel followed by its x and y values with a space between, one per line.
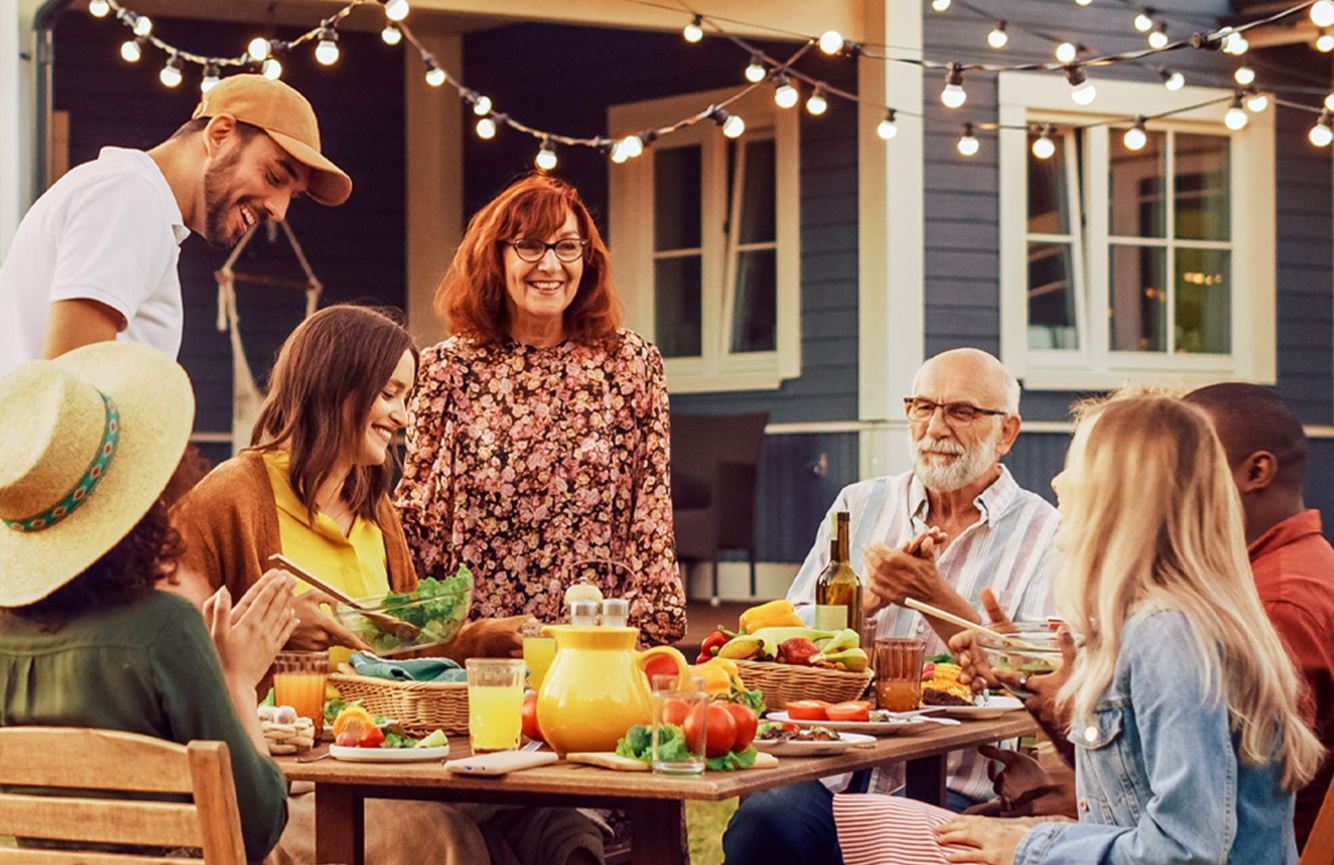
pixel 926 779
pixel 656 829
pixel 340 825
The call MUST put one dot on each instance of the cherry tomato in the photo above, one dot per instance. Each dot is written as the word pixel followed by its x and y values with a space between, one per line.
pixel 660 665
pixel 745 721
pixel 372 738
pixel 856 710
pixel 530 728
pixel 715 726
pixel 674 712
pixel 808 710
pixel 345 740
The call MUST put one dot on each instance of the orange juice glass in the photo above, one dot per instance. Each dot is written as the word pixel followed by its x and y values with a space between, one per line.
pixel 898 673
pixel 298 681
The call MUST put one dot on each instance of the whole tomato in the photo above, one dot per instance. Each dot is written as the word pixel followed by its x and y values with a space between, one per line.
pixel 808 710
pixel 372 738
pixel 674 712
pixel 660 665
pixel 746 722
pixel 530 728
pixel 714 724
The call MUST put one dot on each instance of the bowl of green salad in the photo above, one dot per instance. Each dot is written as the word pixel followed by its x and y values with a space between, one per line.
pixel 400 622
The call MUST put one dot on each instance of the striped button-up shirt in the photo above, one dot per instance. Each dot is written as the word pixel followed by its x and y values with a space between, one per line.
pixel 1008 549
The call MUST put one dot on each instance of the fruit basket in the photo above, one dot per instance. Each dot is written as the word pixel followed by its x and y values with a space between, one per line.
pixel 783 683
pixel 420 707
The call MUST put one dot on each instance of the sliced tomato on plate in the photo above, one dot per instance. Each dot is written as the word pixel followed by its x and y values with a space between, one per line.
pixel 854 710
pixel 807 710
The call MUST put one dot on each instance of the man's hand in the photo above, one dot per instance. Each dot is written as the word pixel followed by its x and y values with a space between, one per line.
pixel 925 546
pixel 248 635
pixel 976 671
pixel 982 839
pixel 319 631
pixel 895 575
pixel 1026 789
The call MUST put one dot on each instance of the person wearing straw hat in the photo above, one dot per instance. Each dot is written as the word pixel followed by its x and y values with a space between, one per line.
pixel 95 257
pixel 93 439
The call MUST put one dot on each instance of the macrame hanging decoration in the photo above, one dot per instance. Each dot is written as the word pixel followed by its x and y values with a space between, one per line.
pixel 246 397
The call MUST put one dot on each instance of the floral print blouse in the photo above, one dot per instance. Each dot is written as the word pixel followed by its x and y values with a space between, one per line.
pixel 530 465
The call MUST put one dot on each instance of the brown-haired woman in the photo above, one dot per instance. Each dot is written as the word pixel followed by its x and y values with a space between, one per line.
pixel 538 434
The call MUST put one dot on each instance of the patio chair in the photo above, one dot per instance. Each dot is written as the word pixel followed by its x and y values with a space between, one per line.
pixel 714 460
pixel 76 761
pixel 1319 849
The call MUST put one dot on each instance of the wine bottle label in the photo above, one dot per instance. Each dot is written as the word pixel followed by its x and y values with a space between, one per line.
pixel 831 617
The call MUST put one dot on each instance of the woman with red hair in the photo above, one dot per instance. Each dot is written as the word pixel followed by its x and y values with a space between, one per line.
pixel 538 431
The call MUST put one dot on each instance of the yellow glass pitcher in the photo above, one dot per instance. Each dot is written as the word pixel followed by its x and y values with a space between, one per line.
pixel 596 688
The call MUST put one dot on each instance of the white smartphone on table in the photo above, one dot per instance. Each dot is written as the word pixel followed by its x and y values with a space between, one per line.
pixel 500 762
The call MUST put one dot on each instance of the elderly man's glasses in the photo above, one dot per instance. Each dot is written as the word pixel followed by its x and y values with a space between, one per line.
pixel 957 414
pixel 567 250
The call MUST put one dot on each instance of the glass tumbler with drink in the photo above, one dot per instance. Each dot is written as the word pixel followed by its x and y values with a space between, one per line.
pixel 680 711
pixel 298 681
pixel 898 673
pixel 495 703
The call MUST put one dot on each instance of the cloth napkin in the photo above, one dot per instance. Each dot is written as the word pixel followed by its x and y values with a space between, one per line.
pixel 410 670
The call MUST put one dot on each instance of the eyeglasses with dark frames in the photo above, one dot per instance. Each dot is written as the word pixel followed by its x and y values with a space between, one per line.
pixel 567 249
pixel 957 414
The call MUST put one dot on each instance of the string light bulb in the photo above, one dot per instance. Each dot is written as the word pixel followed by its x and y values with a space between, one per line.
pixel 1256 101
pixel 887 128
pixel 1084 91
pixel 940 5
pixel 756 71
pixel 1322 13
pixel 1235 44
pixel 1236 117
pixel 998 38
pixel 326 52
pixel 1245 76
pixel 1066 52
pixel 1083 2
pixel 1136 136
pixel 968 143
pixel 618 153
pixel 99 8
pixel 391 35
pixel 1044 147
pixel 170 76
pixel 1322 133
pixel 395 10
pixel 132 49
pixel 435 76
pixel 1158 38
pixel 211 77
pixel 631 146
pixel 817 104
pixel 481 105
pixel 143 25
pixel 1329 102
pixel 785 95
pixel 831 42
pixel 1172 80
pixel 546 157
pixel 694 31
pixel 953 96
pixel 1144 21
pixel 486 128
pixel 731 124
pixel 1324 43
pixel 258 49
pixel 271 69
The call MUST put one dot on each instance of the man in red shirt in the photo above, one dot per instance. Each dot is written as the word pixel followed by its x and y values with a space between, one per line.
pixel 1292 562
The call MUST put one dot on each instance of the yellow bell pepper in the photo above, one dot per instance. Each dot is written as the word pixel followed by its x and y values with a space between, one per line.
pixel 775 614
pixel 718 674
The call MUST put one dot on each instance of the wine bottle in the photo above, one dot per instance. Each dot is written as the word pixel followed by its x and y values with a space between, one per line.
pixel 838 591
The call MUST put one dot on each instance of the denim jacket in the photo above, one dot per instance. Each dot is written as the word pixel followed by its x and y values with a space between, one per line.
pixel 1158 775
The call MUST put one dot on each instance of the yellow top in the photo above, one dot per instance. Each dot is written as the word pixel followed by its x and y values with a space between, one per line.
pixel 355 563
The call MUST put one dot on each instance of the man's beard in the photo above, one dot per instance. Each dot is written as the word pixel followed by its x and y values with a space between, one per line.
pixel 217 205
pixel 970 465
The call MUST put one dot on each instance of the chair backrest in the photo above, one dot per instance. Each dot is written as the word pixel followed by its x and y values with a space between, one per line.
pixel 71 763
pixel 701 442
pixel 1319 849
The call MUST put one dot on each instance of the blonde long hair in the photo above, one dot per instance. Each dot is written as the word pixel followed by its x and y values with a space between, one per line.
pixel 1153 519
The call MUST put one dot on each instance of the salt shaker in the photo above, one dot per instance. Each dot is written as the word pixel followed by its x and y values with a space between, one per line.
pixel 583 613
pixel 615 613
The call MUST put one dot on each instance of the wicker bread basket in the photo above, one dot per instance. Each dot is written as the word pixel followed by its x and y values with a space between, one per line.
pixel 783 683
pixel 421 707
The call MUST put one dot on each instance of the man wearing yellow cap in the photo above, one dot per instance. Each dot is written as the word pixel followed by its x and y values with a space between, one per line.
pixel 95 258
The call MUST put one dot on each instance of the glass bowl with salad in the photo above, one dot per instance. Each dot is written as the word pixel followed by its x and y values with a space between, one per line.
pixel 397 623
pixel 1029 647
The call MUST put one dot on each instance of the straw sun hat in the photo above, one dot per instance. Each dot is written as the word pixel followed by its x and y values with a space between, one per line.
pixel 88 443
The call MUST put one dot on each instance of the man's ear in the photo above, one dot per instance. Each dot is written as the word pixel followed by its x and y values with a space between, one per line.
pixel 220 127
pixel 1257 471
pixel 1010 425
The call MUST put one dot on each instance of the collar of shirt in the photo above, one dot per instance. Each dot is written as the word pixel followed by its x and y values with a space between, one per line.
pixel 1281 534
pixel 285 497
pixel 159 180
pixel 991 503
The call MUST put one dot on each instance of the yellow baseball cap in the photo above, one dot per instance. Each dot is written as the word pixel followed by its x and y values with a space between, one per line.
pixel 288 119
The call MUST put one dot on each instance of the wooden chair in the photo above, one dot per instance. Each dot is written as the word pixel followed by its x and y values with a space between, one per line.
pixel 1319 849
pixel 78 760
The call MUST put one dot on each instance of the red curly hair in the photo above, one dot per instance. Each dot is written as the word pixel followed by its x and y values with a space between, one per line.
pixel 472 298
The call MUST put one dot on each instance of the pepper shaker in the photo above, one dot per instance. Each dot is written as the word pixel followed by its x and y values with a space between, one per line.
pixel 615 613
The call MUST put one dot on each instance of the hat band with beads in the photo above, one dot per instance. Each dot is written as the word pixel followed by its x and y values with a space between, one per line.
pixel 84 488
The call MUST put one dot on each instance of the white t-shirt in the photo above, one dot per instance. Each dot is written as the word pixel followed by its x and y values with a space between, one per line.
pixel 110 231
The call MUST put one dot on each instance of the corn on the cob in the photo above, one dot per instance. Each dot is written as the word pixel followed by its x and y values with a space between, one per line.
pixel 946 679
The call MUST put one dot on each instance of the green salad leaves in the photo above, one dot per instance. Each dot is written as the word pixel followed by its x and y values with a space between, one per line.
pixel 437 607
pixel 637 744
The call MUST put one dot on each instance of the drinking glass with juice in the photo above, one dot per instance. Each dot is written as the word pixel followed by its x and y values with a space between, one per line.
pixel 495 703
pixel 298 681
pixel 898 673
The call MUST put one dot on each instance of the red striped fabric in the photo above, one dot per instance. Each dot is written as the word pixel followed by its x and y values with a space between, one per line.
pixel 888 830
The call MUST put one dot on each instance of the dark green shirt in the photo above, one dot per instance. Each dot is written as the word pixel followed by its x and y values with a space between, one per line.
pixel 146 667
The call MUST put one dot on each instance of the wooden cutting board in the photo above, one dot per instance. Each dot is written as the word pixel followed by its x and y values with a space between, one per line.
pixel 612 760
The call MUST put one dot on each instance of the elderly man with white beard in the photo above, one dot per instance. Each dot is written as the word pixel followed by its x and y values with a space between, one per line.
pixel 957 532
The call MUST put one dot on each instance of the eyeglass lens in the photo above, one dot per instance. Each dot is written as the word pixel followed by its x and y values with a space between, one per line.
pixel 533 250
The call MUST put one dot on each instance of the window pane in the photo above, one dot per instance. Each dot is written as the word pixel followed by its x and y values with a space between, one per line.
pixel 1138 301
pixel 676 306
pixel 754 309
pixel 759 217
pixel 1048 195
pixel 1051 297
pixel 1203 301
pixel 1202 187
pixel 1136 186
pixel 676 198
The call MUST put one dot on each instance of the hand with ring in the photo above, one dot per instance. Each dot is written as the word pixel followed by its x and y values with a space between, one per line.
pixel 1023 681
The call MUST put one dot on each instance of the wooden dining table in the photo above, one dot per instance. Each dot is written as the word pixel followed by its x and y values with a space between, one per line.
pixel 653 801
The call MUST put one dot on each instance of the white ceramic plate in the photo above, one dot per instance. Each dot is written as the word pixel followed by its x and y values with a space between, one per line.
pixel 995 706
pixel 388 755
pixel 873 728
pixel 782 748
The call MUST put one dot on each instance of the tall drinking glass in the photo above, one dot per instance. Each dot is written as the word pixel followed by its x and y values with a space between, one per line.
pixel 495 703
pixel 298 681
pixel 898 673
pixel 680 713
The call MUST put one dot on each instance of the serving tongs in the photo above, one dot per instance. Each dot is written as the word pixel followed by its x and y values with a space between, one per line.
pixel 1005 640
pixel 399 629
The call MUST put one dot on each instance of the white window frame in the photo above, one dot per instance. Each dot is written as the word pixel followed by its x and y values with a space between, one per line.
pixel 631 232
pixel 1027 97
